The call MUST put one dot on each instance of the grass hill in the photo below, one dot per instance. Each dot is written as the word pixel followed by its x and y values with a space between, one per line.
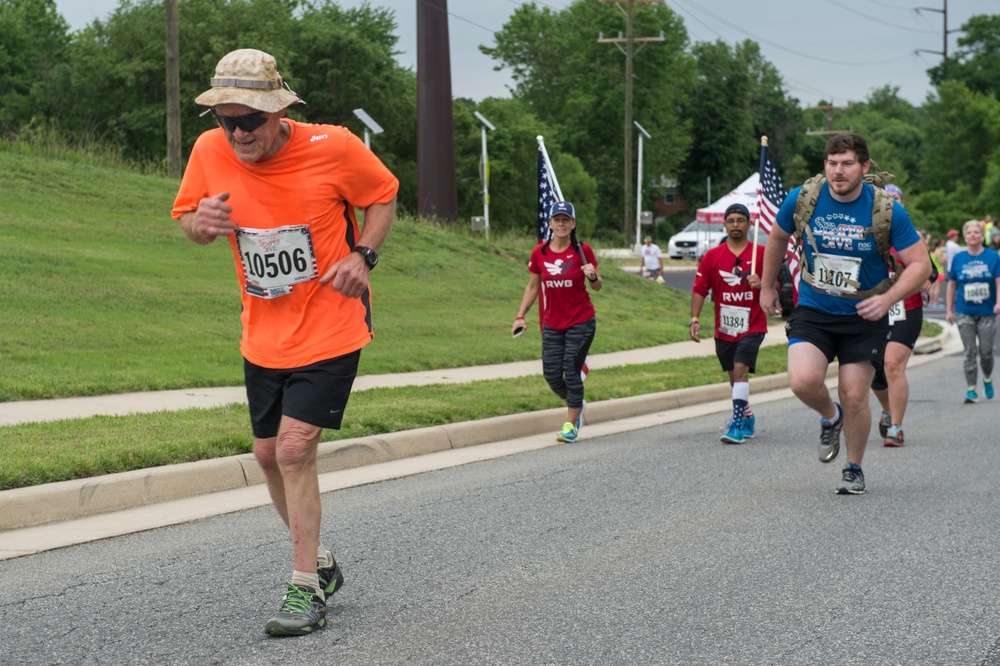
pixel 102 293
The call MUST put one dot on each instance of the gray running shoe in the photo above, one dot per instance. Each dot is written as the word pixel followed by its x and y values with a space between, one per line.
pixel 303 611
pixel 853 481
pixel 829 438
pixel 331 579
pixel 884 422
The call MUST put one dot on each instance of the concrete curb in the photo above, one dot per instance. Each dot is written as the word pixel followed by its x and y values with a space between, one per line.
pixel 80 498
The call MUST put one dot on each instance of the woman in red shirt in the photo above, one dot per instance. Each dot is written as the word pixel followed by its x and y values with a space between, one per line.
pixel 560 271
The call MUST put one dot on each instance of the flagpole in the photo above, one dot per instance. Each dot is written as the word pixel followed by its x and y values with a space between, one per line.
pixel 552 172
pixel 756 222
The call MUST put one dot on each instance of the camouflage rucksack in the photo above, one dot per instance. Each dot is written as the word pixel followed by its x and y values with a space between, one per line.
pixel 880 229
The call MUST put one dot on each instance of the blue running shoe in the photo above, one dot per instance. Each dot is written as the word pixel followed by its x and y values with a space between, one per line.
pixel 579 419
pixel 970 397
pixel 988 388
pixel 748 426
pixel 568 433
pixel 735 433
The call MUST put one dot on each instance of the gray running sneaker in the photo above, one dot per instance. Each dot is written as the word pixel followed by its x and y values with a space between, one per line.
pixel 884 422
pixel 853 481
pixel 331 579
pixel 829 438
pixel 303 611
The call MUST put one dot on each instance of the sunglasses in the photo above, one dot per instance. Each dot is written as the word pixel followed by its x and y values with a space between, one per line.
pixel 247 123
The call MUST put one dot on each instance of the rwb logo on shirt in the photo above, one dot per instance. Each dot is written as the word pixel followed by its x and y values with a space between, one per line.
pixel 558 267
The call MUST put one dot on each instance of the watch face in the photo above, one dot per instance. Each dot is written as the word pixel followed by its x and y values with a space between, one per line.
pixel 371 257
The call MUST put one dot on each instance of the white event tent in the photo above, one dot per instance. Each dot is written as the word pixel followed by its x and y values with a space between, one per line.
pixel 745 193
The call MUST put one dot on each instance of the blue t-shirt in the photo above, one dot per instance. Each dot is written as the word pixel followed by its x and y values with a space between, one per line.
pixel 839 232
pixel 976 292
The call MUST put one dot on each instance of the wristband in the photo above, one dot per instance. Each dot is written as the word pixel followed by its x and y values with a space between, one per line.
pixel 694 320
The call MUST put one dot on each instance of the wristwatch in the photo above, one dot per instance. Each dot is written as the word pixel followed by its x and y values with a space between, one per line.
pixel 370 255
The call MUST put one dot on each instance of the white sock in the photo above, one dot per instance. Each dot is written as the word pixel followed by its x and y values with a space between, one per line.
pixel 324 558
pixel 303 579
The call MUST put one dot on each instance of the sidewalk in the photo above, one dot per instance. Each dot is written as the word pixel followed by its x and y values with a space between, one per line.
pixel 35 519
pixel 12 413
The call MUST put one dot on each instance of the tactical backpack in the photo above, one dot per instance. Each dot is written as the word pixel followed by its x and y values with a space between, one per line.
pixel 880 229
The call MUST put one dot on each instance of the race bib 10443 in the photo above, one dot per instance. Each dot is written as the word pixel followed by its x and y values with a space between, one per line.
pixel 275 259
pixel 976 292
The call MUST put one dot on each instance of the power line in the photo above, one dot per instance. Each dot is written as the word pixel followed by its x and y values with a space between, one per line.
pixel 758 38
pixel 876 19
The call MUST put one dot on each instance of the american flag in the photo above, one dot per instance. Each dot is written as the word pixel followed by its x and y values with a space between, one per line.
pixel 770 195
pixel 546 196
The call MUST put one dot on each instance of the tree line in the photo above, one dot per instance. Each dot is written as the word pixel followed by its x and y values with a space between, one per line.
pixel 707 103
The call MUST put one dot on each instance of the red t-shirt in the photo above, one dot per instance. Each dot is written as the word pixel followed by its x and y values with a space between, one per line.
pixel 295 212
pixel 737 306
pixel 563 298
pixel 914 301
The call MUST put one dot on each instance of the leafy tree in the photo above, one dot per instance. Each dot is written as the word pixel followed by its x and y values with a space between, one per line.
pixel 33 40
pixel 576 86
pixel 977 62
pixel 738 97
pixel 513 154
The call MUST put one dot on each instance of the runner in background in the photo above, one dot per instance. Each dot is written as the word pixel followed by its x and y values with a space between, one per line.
pixel 890 385
pixel 561 269
pixel 740 324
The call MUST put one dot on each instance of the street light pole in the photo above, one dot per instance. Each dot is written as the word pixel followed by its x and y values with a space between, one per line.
pixel 638 187
pixel 487 125
pixel 629 50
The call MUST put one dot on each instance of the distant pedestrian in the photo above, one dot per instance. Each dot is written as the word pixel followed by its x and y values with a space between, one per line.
pixel 845 294
pixel 740 324
pixel 652 258
pixel 973 284
pixel 283 194
pixel 951 248
pixel 890 385
pixel 560 271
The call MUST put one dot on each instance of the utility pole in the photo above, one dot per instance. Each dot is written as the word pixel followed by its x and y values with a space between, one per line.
pixel 944 15
pixel 437 189
pixel 173 96
pixel 830 109
pixel 629 50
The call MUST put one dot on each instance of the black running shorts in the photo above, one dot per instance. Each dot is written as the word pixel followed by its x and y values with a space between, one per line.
pixel 742 351
pixel 848 338
pixel 315 394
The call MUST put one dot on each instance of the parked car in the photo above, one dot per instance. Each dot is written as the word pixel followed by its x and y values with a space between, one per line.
pixel 694 240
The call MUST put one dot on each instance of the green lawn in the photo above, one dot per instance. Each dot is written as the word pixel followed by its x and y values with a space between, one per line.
pixel 103 295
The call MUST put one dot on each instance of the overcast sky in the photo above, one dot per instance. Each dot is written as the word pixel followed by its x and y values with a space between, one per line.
pixel 836 50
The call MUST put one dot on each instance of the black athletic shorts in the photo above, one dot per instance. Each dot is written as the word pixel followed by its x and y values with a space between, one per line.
pixel 904 332
pixel 848 338
pixel 742 351
pixel 907 331
pixel 315 394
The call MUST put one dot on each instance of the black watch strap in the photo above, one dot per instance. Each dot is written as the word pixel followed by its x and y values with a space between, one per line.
pixel 370 255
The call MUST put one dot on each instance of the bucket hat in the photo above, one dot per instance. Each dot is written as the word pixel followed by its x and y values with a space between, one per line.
pixel 249 77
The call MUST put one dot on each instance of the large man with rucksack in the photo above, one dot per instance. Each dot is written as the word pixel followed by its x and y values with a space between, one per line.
pixel 845 227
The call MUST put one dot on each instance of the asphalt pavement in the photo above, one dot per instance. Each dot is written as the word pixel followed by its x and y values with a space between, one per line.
pixel 651 546
pixel 55 515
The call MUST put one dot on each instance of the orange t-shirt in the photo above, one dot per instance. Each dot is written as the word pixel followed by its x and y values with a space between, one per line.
pixel 308 191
